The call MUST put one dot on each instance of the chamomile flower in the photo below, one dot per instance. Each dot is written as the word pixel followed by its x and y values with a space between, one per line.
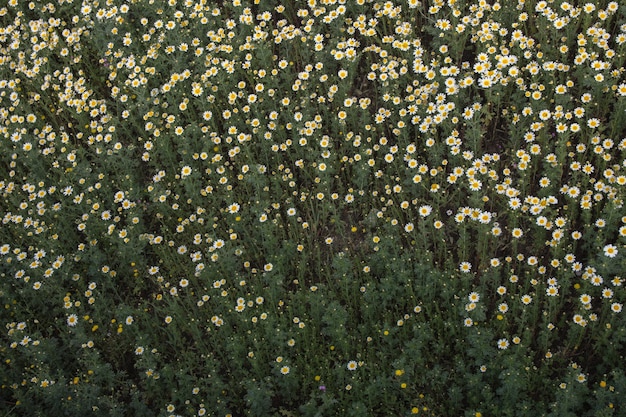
pixel 465 267
pixel 72 320
pixel 185 171
pixel 610 251
pixel 425 210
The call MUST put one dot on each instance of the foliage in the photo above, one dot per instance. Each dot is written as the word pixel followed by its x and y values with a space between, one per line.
pixel 333 208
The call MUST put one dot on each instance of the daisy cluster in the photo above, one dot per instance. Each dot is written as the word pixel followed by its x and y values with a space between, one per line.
pixel 242 181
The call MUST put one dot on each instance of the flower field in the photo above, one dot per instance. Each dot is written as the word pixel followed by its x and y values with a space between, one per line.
pixel 312 208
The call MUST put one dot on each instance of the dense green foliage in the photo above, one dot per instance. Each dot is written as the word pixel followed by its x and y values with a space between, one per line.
pixel 322 208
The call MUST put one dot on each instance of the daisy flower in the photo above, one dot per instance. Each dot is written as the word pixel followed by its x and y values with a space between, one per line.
pixel 72 320
pixel 610 251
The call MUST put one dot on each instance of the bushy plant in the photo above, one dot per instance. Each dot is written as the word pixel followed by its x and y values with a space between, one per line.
pixel 312 208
